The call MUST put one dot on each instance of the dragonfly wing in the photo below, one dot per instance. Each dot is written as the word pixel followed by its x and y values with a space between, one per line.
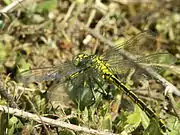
pixel 38 75
pixel 81 87
pixel 157 62
pixel 57 93
pixel 157 59
pixel 47 73
pixel 141 44
pixel 138 45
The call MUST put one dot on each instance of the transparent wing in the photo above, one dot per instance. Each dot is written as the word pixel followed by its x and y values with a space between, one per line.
pixel 81 87
pixel 47 74
pixel 137 45
pixel 140 45
pixel 58 94
pixel 38 75
pixel 157 59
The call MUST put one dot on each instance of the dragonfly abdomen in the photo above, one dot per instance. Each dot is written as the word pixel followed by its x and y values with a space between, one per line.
pixel 150 113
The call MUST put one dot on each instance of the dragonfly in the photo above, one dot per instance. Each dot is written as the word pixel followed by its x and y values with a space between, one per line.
pixel 87 70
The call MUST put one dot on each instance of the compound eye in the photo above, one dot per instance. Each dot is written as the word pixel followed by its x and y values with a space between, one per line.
pixel 79 59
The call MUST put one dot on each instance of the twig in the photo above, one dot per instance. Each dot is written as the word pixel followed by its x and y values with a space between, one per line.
pixel 91 17
pixel 172 102
pixel 168 86
pixel 46 120
pixel 69 13
pixel 34 109
pixel 131 1
pixel 11 6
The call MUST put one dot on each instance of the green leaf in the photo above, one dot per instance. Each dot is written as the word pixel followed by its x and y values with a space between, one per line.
pixel 85 115
pixel 134 119
pixel 106 122
pixel 3 52
pixel 7 2
pixel 40 101
pixel 153 129
pixel 144 119
pixel 11 130
pixel 3 123
pixel 22 64
pixel 14 123
pixel 47 5
pixel 174 125
pixel 120 122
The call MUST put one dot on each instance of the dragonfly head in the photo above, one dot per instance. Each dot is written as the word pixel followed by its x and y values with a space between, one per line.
pixel 81 60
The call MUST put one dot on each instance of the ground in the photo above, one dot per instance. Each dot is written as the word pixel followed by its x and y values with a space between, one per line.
pixel 46 35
